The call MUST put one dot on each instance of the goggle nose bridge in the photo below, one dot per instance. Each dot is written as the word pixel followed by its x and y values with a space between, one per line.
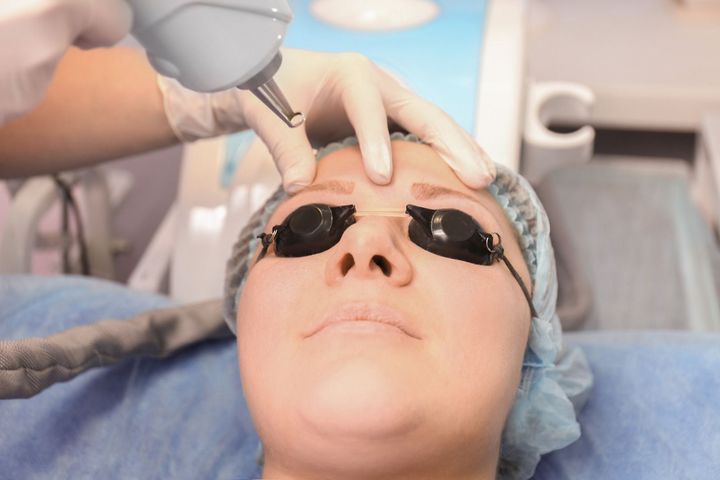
pixel 382 212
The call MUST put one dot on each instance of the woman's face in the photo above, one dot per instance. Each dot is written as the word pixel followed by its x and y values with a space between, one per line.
pixel 331 386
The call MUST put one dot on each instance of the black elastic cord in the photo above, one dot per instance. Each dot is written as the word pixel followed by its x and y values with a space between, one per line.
pixel 69 200
pixel 521 283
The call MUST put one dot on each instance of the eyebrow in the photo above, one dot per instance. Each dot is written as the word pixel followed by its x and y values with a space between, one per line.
pixel 427 191
pixel 333 186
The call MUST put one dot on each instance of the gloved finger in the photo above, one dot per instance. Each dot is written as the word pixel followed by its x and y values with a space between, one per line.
pixel 484 156
pixel 289 147
pixel 366 113
pixel 455 146
pixel 107 22
pixel 469 162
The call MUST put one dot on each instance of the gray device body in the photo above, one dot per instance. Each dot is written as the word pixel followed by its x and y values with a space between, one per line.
pixel 212 45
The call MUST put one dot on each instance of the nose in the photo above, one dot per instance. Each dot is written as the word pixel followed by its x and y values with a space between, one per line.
pixel 370 249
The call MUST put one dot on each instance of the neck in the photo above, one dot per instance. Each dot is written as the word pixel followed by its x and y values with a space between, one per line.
pixel 274 471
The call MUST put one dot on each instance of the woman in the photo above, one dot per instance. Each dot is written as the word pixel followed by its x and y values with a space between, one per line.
pixel 374 350
pixel 411 333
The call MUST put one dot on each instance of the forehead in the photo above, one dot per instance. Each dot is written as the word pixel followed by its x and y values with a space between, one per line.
pixel 417 170
pixel 412 162
pixel 409 158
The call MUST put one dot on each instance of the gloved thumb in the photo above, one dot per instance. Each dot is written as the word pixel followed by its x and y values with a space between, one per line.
pixel 294 158
pixel 108 22
pixel 289 147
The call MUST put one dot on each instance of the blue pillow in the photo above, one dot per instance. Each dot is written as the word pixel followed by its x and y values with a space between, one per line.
pixel 653 412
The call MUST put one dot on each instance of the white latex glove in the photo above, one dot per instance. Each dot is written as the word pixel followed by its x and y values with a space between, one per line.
pixel 34 35
pixel 340 94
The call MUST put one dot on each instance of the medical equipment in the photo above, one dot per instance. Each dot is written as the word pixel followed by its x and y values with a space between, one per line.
pixel 28 222
pixel 210 46
pixel 446 232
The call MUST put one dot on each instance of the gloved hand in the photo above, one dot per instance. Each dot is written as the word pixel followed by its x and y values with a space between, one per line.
pixel 34 35
pixel 340 94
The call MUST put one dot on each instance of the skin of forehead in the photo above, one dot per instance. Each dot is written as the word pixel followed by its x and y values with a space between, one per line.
pixel 415 159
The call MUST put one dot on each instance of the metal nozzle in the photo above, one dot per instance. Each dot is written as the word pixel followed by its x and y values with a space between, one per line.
pixel 269 93
pixel 263 86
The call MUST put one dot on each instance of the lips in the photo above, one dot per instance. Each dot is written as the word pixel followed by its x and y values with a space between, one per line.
pixel 365 312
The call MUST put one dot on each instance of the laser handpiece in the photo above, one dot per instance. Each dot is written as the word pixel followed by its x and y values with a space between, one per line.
pixel 263 86
pixel 214 45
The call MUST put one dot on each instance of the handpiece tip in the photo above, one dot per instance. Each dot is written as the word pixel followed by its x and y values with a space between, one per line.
pixel 296 119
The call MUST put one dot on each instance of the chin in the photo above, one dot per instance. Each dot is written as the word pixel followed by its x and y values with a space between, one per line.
pixel 361 399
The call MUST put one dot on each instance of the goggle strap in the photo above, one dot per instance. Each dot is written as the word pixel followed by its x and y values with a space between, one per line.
pixel 520 282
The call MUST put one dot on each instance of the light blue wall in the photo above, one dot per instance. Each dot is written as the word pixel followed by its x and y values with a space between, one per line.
pixel 439 60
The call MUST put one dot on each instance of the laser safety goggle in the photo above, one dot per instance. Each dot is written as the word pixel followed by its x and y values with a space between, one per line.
pixel 447 232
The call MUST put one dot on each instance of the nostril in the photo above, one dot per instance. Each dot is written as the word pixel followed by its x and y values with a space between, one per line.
pixel 384 265
pixel 346 264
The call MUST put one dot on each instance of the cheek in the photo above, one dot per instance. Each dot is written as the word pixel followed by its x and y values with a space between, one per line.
pixel 270 316
pixel 482 331
pixel 254 327
pixel 480 304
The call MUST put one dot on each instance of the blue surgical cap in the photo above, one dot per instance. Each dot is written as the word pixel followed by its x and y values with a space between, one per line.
pixel 554 382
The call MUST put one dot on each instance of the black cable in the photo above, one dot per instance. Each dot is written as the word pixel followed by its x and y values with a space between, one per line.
pixel 69 199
